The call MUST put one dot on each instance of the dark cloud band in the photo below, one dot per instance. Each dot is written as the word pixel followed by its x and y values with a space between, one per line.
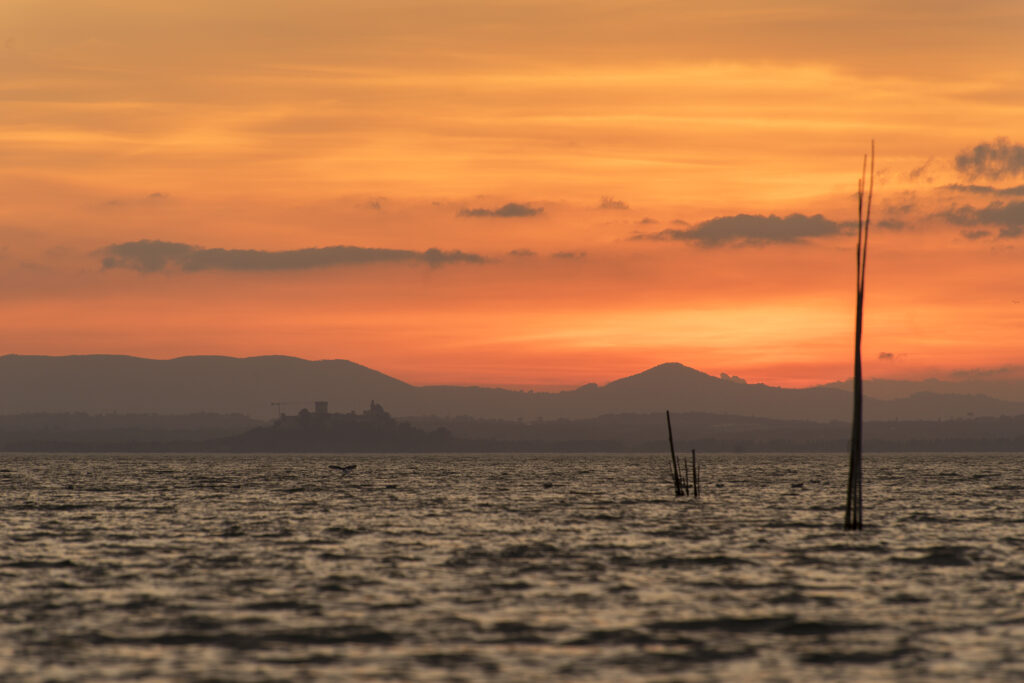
pixel 1016 191
pixel 751 230
pixel 511 210
pixel 148 256
pixel 1009 217
pixel 992 160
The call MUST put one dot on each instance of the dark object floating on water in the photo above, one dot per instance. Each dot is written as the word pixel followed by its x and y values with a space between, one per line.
pixel 796 486
pixel 343 468
pixel 391 486
pixel 547 484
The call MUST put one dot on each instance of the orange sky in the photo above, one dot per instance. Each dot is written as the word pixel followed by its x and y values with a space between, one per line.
pixel 164 164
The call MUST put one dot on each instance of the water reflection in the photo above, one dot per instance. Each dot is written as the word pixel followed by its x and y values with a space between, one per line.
pixel 445 567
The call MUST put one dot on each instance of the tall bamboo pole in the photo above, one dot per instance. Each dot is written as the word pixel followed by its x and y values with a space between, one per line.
pixel 675 463
pixel 854 489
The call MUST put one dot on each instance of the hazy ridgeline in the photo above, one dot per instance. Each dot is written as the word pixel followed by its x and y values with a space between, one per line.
pixel 608 433
pixel 249 386
pixel 119 403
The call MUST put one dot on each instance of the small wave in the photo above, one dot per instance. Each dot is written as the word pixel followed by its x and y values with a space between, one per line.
pixel 852 657
pixel 698 561
pixel 929 518
pixel 795 525
pixel 259 641
pixel 848 548
pixel 906 598
pixel 996 574
pixel 787 625
pixel 28 538
pixel 39 564
pixel 941 556
pixel 314 659
pixel 529 550
pixel 512 585
pixel 458 660
pixel 731 625
pixel 620 636
pixel 384 606
pixel 466 557
pixel 281 605
pixel 53 507
pixel 671 662
pixel 344 584
pixel 516 632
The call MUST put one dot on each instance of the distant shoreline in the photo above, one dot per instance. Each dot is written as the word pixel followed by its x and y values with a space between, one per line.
pixel 617 433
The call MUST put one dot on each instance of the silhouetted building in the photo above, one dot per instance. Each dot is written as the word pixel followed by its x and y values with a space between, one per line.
pixel 374 430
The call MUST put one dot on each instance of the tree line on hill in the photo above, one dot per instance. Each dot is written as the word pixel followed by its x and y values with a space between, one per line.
pixel 375 430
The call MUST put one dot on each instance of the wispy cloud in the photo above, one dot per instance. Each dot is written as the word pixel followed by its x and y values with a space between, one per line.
pixel 1008 216
pixel 569 255
pixel 976 234
pixel 522 253
pixel 920 170
pixel 612 203
pixel 150 198
pixel 892 224
pixel 751 230
pixel 149 256
pixel 992 160
pixel 1016 191
pixel 510 210
pixel 1002 372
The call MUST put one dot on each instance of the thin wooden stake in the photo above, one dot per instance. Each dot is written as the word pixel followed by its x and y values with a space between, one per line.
pixel 675 463
pixel 686 479
pixel 854 519
pixel 696 474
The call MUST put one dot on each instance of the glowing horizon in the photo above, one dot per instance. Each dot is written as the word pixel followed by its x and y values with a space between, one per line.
pixel 510 194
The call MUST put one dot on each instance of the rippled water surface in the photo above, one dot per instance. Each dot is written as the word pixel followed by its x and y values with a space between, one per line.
pixel 508 568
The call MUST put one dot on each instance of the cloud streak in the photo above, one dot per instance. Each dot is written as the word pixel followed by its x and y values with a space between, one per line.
pixel 150 256
pixel 1016 191
pixel 751 230
pixel 1009 217
pixel 975 234
pixel 992 160
pixel 510 210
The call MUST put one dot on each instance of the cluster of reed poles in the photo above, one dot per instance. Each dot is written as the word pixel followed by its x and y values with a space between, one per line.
pixel 854 491
pixel 854 519
pixel 680 477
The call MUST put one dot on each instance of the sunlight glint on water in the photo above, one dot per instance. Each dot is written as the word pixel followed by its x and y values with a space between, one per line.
pixel 515 567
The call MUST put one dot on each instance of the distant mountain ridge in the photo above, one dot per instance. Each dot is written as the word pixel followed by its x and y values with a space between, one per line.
pixel 218 384
pixel 1011 390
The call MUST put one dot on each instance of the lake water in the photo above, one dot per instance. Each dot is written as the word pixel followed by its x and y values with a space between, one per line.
pixel 508 568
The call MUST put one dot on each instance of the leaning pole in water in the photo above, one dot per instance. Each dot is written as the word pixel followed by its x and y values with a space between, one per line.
pixel 675 463
pixel 854 493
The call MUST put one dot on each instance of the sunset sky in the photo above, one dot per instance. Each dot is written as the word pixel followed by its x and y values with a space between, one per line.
pixel 514 192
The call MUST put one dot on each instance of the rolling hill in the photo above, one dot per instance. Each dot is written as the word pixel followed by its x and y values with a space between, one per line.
pixel 102 384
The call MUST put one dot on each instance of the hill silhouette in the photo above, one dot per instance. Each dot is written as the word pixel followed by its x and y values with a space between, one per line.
pixel 217 384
